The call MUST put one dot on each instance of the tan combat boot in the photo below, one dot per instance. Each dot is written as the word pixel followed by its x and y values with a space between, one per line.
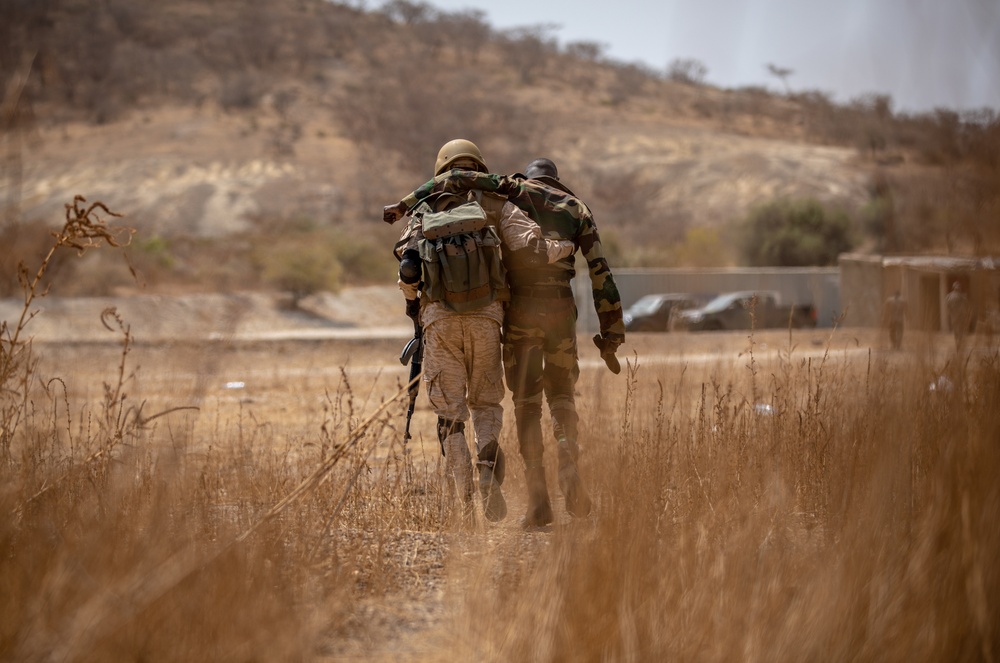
pixel 458 466
pixel 491 473
pixel 494 505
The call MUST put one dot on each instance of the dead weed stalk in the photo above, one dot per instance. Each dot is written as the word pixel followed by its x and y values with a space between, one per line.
pixel 84 229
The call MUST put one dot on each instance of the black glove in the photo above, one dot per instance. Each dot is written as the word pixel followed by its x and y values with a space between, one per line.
pixel 412 309
pixel 608 347
pixel 393 213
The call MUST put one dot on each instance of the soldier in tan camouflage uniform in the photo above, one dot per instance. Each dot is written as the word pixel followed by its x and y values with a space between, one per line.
pixel 540 351
pixel 461 364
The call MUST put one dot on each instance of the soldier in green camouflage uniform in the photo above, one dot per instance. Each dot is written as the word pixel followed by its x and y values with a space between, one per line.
pixel 540 350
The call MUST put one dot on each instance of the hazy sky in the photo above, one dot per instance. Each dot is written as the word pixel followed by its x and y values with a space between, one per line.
pixel 923 53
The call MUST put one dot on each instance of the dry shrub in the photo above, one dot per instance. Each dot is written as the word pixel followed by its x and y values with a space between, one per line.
pixel 27 242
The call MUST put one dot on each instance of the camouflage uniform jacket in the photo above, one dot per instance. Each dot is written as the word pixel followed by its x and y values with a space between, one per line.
pixel 561 215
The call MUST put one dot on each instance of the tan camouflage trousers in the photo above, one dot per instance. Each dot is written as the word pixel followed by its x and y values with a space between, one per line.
pixel 463 374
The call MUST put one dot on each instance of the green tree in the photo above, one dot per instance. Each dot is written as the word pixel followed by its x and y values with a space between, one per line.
pixel 301 267
pixel 701 247
pixel 793 233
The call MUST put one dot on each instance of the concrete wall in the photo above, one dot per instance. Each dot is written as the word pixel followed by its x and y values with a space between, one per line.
pixel 819 286
pixel 862 291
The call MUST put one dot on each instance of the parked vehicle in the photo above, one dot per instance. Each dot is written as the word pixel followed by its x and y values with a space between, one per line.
pixel 760 309
pixel 659 312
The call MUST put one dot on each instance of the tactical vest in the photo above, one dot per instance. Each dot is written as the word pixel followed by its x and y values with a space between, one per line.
pixel 459 249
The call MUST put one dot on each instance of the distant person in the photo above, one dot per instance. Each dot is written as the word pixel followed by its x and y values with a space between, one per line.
pixel 959 313
pixel 894 315
pixel 992 322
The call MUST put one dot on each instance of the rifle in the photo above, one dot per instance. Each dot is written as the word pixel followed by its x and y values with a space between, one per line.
pixel 413 354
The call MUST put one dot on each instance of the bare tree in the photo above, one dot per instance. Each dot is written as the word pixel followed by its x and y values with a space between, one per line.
pixel 408 13
pixel 687 70
pixel 629 81
pixel 586 50
pixel 781 73
pixel 527 49
pixel 467 31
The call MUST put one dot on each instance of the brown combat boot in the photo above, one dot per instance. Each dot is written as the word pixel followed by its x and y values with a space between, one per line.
pixel 491 473
pixel 539 511
pixel 574 494
pixel 458 465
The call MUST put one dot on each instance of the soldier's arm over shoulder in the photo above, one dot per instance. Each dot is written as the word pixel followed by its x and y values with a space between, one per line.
pixel 460 181
pixel 517 231
pixel 522 235
pixel 414 197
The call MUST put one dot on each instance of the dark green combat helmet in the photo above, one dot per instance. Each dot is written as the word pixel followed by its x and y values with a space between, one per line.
pixel 541 167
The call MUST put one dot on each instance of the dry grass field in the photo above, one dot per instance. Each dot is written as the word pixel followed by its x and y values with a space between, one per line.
pixel 772 497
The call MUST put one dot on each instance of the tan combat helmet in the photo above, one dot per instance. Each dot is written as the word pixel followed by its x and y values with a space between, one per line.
pixel 457 149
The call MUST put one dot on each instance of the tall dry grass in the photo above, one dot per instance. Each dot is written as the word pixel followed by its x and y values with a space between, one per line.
pixel 777 507
pixel 852 516
pixel 130 532
pixel 163 536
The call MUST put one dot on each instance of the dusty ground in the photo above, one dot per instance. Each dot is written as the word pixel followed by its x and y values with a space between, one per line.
pixel 354 313
pixel 231 353
pixel 235 349
pixel 232 316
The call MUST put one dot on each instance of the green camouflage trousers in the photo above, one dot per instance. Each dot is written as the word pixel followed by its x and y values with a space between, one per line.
pixel 540 357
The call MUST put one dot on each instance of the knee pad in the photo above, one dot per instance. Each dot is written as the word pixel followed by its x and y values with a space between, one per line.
pixel 446 427
pixel 492 455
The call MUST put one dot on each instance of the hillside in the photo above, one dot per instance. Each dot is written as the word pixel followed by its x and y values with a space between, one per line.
pixel 249 145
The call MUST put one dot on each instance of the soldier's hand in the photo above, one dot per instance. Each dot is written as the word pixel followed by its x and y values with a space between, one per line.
pixel 559 249
pixel 509 186
pixel 608 347
pixel 393 213
pixel 413 309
